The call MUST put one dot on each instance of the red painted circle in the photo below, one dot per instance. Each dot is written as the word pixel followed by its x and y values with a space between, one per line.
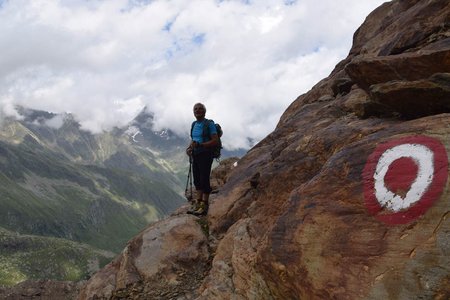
pixel 402 172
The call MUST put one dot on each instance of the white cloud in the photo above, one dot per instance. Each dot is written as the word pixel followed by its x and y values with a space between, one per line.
pixel 55 122
pixel 104 60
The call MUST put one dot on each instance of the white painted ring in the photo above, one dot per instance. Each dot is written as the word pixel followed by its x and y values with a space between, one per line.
pixel 424 159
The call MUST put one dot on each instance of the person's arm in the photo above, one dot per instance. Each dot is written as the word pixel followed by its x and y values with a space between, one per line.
pixel 212 142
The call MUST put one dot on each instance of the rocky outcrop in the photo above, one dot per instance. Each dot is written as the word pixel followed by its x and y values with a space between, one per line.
pixel 411 85
pixel 219 175
pixel 42 290
pixel 166 260
pixel 348 197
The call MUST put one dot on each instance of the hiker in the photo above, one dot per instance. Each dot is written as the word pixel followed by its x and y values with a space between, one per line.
pixel 204 138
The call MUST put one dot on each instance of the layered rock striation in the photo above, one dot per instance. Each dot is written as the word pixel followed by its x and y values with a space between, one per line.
pixel 347 199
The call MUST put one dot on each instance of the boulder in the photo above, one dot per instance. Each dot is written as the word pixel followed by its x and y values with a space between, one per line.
pixel 402 26
pixel 367 71
pixel 167 259
pixel 414 99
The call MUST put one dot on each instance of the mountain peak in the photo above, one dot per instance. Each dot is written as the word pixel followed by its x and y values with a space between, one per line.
pixel 34 116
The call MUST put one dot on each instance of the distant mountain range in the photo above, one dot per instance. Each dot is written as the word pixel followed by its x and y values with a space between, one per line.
pixel 96 190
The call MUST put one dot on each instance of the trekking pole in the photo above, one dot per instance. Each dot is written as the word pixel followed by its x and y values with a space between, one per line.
pixel 190 178
pixel 189 181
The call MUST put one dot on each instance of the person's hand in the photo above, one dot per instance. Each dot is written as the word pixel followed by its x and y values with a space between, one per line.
pixel 189 150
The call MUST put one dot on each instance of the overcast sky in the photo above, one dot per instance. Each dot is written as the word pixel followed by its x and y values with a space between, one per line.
pixel 103 61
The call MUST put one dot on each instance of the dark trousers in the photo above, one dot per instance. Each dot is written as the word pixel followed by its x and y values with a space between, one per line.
pixel 201 167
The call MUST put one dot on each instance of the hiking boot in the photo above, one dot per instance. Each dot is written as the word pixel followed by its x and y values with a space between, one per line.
pixel 201 210
pixel 195 204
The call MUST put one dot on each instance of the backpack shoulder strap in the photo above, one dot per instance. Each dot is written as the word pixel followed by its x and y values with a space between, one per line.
pixel 205 133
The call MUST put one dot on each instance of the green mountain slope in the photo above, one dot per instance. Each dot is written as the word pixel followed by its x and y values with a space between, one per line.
pixel 43 192
pixel 25 257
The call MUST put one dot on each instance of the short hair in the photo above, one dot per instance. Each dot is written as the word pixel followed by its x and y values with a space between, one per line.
pixel 200 104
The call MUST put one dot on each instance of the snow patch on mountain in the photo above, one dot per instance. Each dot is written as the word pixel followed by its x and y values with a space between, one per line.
pixel 133 131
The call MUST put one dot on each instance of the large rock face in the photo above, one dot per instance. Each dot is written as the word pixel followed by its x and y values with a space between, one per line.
pixel 347 199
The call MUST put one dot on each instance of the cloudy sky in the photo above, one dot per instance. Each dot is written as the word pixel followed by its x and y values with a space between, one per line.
pixel 104 60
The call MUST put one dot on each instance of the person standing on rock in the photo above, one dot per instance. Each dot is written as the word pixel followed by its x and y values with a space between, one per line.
pixel 203 139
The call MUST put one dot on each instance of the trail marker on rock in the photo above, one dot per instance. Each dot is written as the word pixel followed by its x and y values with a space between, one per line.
pixel 404 177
